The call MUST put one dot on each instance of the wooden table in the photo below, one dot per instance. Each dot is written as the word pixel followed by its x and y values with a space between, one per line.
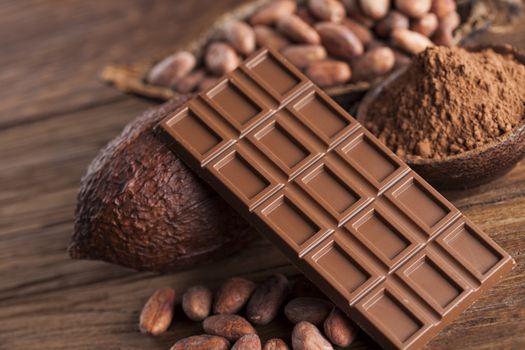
pixel 55 116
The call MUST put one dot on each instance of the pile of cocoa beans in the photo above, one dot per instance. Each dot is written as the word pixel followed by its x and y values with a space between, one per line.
pixel 229 316
pixel 333 42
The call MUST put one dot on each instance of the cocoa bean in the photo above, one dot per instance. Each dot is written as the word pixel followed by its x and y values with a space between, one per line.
pixel 312 310
pixel 339 329
pixel 157 313
pixel 410 41
pixel 190 82
pixel 375 9
pixel 266 36
pixel 394 20
pixel 339 41
pixel 400 59
pixel 270 14
pixel 374 63
pixel 248 342
pixel 425 25
pixel 306 336
pixel 202 342
pixel 327 10
pixel 413 8
pixel 443 7
pixel 329 72
pixel 363 33
pixel 298 30
pixel 302 56
pixel 445 32
pixel 305 14
pixel 353 11
pixel 275 344
pixel 220 58
pixel 231 327
pixel 240 36
pixel 196 303
pixel 267 299
pixel 232 295
pixel 171 69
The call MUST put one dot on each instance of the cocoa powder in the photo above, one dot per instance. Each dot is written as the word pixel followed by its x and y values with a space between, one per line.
pixel 449 101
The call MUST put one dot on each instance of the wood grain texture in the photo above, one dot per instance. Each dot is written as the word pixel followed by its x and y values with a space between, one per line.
pixel 55 116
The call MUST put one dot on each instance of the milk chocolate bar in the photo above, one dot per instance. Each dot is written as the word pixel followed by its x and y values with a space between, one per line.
pixel 386 247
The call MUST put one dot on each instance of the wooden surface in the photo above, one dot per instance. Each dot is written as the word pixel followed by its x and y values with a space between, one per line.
pixel 55 115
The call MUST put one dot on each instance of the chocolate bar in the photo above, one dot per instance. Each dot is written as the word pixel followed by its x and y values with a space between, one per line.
pixel 387 248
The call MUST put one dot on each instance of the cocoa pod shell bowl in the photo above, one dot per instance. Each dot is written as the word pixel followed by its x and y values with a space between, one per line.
pixel 471 168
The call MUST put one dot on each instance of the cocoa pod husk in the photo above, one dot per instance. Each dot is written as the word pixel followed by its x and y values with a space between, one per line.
pixel 231 327
pixel 232 295
pixel 313 310
pixel 267 299
pixel 202 342
pixel 196 303
pixel 136 191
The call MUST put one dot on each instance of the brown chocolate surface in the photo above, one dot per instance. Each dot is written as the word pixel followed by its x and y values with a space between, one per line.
pixel 386 247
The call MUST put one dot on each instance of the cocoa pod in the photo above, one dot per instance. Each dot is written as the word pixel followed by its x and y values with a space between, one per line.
pixel 374 63
pixel 329 72
pixel 394 20
pixel 231 327
pixel 410 41
pixel 298 30
pixel 136 191
pixel 443 7
pixel 240 36
pixel 232 295
pixel 220 58
pixel 306 336
pixel 248 342
pixel 190 82
pixel 312 310
pixel 157 313
pixel 375 9
pixel 202 342
pixel 339 329
pixel 196 303
pixel 425 25
pixel 267 299
pixel 302 56
pixel 270 14
pixel 266 36
pixel 327 10
pixel 275 344
pixel 414 8
pixel 363 33
pixel 338 40
pixel 171 69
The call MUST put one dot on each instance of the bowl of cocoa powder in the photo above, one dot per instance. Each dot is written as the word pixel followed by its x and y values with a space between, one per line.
pixel 455 115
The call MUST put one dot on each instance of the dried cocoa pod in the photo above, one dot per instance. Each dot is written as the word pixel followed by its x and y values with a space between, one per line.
pixel 136 191
pixel 313 310
pixel 270 14
pixel 202 342
pixel 231 327
pixel 298 30
pixel 375 9
pixel 196 303
pixel 171 69
pixel 327 10
pixel 267 299
pixel 190 82
pixel 248 342
pixel 302 56
pixel 410 41
pixel 339 329
pixel 232 295
pixel 339 41
pixel 394 20
pixel 425 25
pixel 443 7
pixel 266 36
pixel 275 344
pixel 363 33
pixel 329 72
pixel 157 313
pixel 240 36
pixel 414 8
pixel 306 336
pixel 221 58
pixel 375 62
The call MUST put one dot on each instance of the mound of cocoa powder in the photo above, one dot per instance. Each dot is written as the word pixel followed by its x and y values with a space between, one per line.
pixel 449 101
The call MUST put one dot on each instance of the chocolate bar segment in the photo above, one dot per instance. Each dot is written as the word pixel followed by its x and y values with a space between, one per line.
pixel 387 248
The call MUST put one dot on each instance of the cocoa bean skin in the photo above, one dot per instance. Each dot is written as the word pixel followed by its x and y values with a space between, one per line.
pixel 221 58
pixel 312 310
pixel 232 295
pixel 302 56
pixel 270 14
pixel 190 82
pixel 443 7
pixel 374 63
pixel 266 36
pixel 248 342
pixel 375 9
pixel 298 30
pixel 231 327
pixel 339 41
pixel 276 344
pixel 157 313
pixel 240 36
pixel 394 20
pixel 339 329
pixel 196 303
pixel 267 299
pixel 425 25
pixel 306 336
pixel 171 69
pixel 327 10
pixel 410 41
pixel 414 8
pixel 363 33
pixel 329 72
pixel 202 342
